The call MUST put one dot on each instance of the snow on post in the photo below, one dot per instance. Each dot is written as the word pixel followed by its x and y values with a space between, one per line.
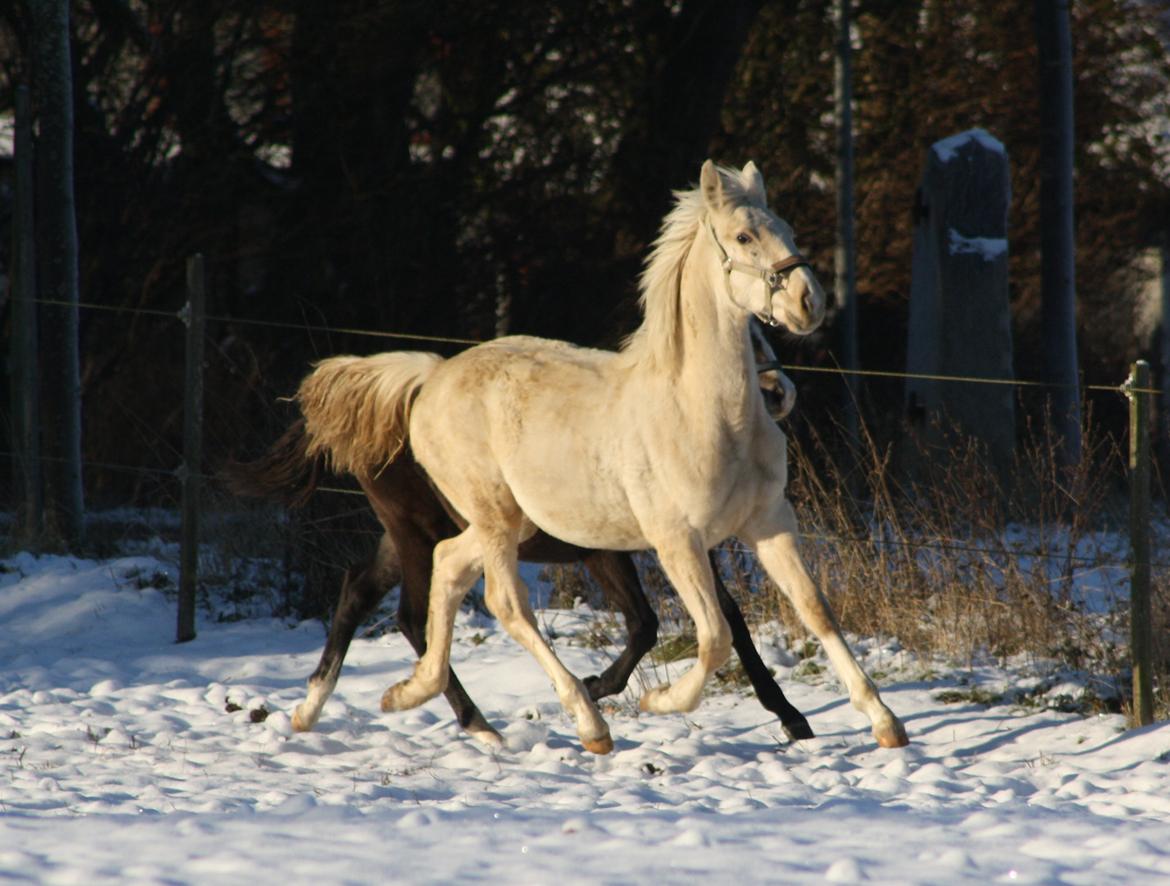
pixel 960 323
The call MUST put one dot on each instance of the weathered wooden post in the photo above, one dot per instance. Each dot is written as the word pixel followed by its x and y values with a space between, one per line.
pixel 193 315
pixel 23 343
pixel 960 322
pixel 1137 388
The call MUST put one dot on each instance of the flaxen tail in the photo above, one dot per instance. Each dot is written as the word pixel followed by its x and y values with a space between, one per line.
pixel 357 409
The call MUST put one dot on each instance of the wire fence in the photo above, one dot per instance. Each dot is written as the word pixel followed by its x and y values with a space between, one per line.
pixel 180 315
pixel 938 544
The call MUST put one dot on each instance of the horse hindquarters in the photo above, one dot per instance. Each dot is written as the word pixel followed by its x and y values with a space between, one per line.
pixel 467 476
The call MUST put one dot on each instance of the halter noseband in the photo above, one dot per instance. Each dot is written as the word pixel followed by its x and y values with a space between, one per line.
pixel 775 276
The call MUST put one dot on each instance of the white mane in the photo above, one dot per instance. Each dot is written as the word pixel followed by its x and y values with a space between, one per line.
pixel 658 339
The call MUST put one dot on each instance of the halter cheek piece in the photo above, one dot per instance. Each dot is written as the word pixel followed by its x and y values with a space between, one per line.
pixel 775 277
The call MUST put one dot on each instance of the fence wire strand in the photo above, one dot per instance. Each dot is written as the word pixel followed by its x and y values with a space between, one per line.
pixel 951 545
pixel 1122 388
pixel 942 544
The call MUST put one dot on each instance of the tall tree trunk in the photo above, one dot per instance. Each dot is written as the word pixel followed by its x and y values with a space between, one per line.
pixel 1057 246
pixel 57 276
pixel 845 261
pixel 23 342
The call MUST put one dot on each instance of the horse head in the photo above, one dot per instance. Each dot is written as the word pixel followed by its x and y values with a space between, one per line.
pixel 751 241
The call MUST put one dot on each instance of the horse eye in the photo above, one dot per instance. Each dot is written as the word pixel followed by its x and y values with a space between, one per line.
pixel 743 239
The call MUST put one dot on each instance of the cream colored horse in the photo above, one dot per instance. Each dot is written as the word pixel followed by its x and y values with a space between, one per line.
pixel 665 444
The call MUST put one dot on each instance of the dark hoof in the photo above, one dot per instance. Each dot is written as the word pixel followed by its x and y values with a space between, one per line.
pixel 798 729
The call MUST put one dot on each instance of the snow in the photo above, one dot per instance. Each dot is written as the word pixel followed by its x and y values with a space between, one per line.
pixel 123 763
pixel 948 148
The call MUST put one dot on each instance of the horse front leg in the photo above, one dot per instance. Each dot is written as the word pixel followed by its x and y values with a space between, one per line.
pixel 457 564
pixel 684 560
pixel 768 691
pixel 774 542
pixel 361 592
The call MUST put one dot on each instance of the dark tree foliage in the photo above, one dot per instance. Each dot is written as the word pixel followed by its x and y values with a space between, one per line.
pixel 925 70
pixel 413 166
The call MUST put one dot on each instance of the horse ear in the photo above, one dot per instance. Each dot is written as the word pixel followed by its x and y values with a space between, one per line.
pixel 754 180
pixel 711 183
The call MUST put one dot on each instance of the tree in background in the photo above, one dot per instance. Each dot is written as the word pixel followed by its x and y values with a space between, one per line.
pixel 56 274
pixel 924 71
pixel 411 166
pixel 1058 289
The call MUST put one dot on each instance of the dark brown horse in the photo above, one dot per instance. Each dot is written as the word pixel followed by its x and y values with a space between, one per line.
pixel 415 520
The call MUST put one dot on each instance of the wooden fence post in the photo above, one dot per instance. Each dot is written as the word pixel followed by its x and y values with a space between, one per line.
pixel 23 344
pixel 192 448
pixel 1137 388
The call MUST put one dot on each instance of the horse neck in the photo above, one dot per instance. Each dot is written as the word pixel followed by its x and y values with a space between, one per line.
pixel 717 369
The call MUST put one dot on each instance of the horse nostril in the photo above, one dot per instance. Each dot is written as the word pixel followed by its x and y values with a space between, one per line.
pixel 809 302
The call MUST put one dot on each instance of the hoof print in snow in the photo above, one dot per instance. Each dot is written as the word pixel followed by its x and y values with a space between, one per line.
pixel 258 715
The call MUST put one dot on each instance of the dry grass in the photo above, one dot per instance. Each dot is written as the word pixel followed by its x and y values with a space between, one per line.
pixel 924 553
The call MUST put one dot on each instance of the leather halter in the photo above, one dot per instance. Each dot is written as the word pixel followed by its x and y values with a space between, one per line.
pixel 775 276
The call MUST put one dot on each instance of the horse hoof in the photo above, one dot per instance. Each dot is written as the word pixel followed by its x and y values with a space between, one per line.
pixel 485 734
pixel 893 735
pixel 650 703
pixel 395 699
pixel 798 730
pixel 301 723
pixel 601 745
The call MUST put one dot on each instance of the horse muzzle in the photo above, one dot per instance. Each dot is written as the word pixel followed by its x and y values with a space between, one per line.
pixel 799 306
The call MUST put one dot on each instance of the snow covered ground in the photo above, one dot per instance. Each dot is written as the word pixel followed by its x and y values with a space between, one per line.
pixel 121 762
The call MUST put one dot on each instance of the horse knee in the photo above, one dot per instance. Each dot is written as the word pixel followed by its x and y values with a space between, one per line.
pixel 717 650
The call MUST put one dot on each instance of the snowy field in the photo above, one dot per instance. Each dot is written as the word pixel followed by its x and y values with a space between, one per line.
pixel 123 763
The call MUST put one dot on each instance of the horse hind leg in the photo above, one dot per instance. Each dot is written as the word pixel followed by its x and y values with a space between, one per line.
pixel 507 598
pixel 686 565
pixel 457 564
pixel 615 573
pixel 768 691
pixel 361 592
pixel 412 620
